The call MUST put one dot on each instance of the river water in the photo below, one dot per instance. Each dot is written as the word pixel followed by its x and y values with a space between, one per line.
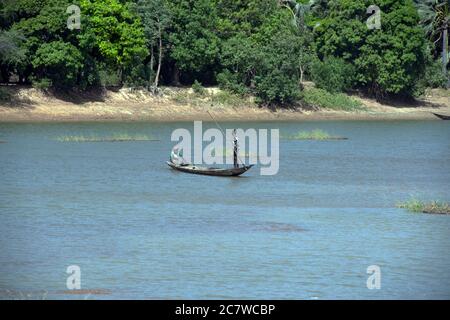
pixel 139 230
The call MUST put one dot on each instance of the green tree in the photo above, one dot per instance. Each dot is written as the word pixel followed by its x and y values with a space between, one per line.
pixel 12 11
pixel 298 10
pixel 193 40
pixel 59 61
pixel 243 16
pixel 156 18
pixel 271 62
pixel 277 79
pixel 333 74
pixel 435 18
pixel 241 59
pixel 389 60
pixel 11 52
pixel 39 23
pixel 114 31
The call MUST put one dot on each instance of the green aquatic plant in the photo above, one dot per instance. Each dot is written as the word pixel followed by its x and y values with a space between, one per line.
pixel 117 137
pixel 418 206
pixel 316 134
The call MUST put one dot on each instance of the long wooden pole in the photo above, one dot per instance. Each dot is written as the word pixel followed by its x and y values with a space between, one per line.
pixel 224 134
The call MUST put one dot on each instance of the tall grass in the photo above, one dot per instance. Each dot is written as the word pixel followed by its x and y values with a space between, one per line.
pixel 221 98
pixel 226 98
pixel 316 134
pixel 418 206
pixel 320 98
pixel 117 137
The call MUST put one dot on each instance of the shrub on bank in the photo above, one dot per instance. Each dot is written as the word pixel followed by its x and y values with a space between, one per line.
pixel 276 88
pixel 5 95
pixel 226 98
pixel 198 88
pixel 320 98
pixel 433 78
pixel 229 81
pixel 42 84
pixel 333 74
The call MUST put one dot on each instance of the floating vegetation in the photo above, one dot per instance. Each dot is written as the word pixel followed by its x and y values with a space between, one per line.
pixel 316 134
pixel 117 137
pixel 433 207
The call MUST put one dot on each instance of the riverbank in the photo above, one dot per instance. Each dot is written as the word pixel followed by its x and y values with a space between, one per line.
pixel 182 104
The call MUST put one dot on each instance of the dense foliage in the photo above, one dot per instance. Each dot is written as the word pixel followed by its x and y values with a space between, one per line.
pixel 388 60
pixel 333 74
pixel 261 47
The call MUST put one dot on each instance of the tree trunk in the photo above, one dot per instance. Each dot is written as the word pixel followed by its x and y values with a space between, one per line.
pixel 158 71
pixel 120 73
pixel 301 74
pixel 152 63
pixel 176 75
pixel 445 51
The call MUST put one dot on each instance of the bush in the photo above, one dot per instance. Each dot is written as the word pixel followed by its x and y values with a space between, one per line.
pixel 42 84
pixel 58 61
pixel 320 98
pixel 268 65
pixel 277 87
pixel 198 88
pixel 434 77
pixel 108 77
pixel 226 98
pixel 136 74
pixel 5 95
pixel 387 61
pixel 333 74
pixel 230 82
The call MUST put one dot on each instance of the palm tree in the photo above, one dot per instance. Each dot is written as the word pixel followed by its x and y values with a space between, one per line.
pixel 435 19
pixel 298 11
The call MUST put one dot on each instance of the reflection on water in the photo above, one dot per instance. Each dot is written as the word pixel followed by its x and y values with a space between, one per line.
pixel 140 230
pixel 277 227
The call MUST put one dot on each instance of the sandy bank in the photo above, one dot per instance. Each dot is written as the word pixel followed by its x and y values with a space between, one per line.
pixel 130 105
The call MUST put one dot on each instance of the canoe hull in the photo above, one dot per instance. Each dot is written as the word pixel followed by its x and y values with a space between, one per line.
pixel 233 172
pixel 441 116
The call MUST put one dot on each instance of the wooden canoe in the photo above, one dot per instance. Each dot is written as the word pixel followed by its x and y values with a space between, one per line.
pixel 221 172
pixel 441 116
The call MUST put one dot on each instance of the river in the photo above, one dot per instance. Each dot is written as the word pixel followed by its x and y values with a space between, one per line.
pixel 139 230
